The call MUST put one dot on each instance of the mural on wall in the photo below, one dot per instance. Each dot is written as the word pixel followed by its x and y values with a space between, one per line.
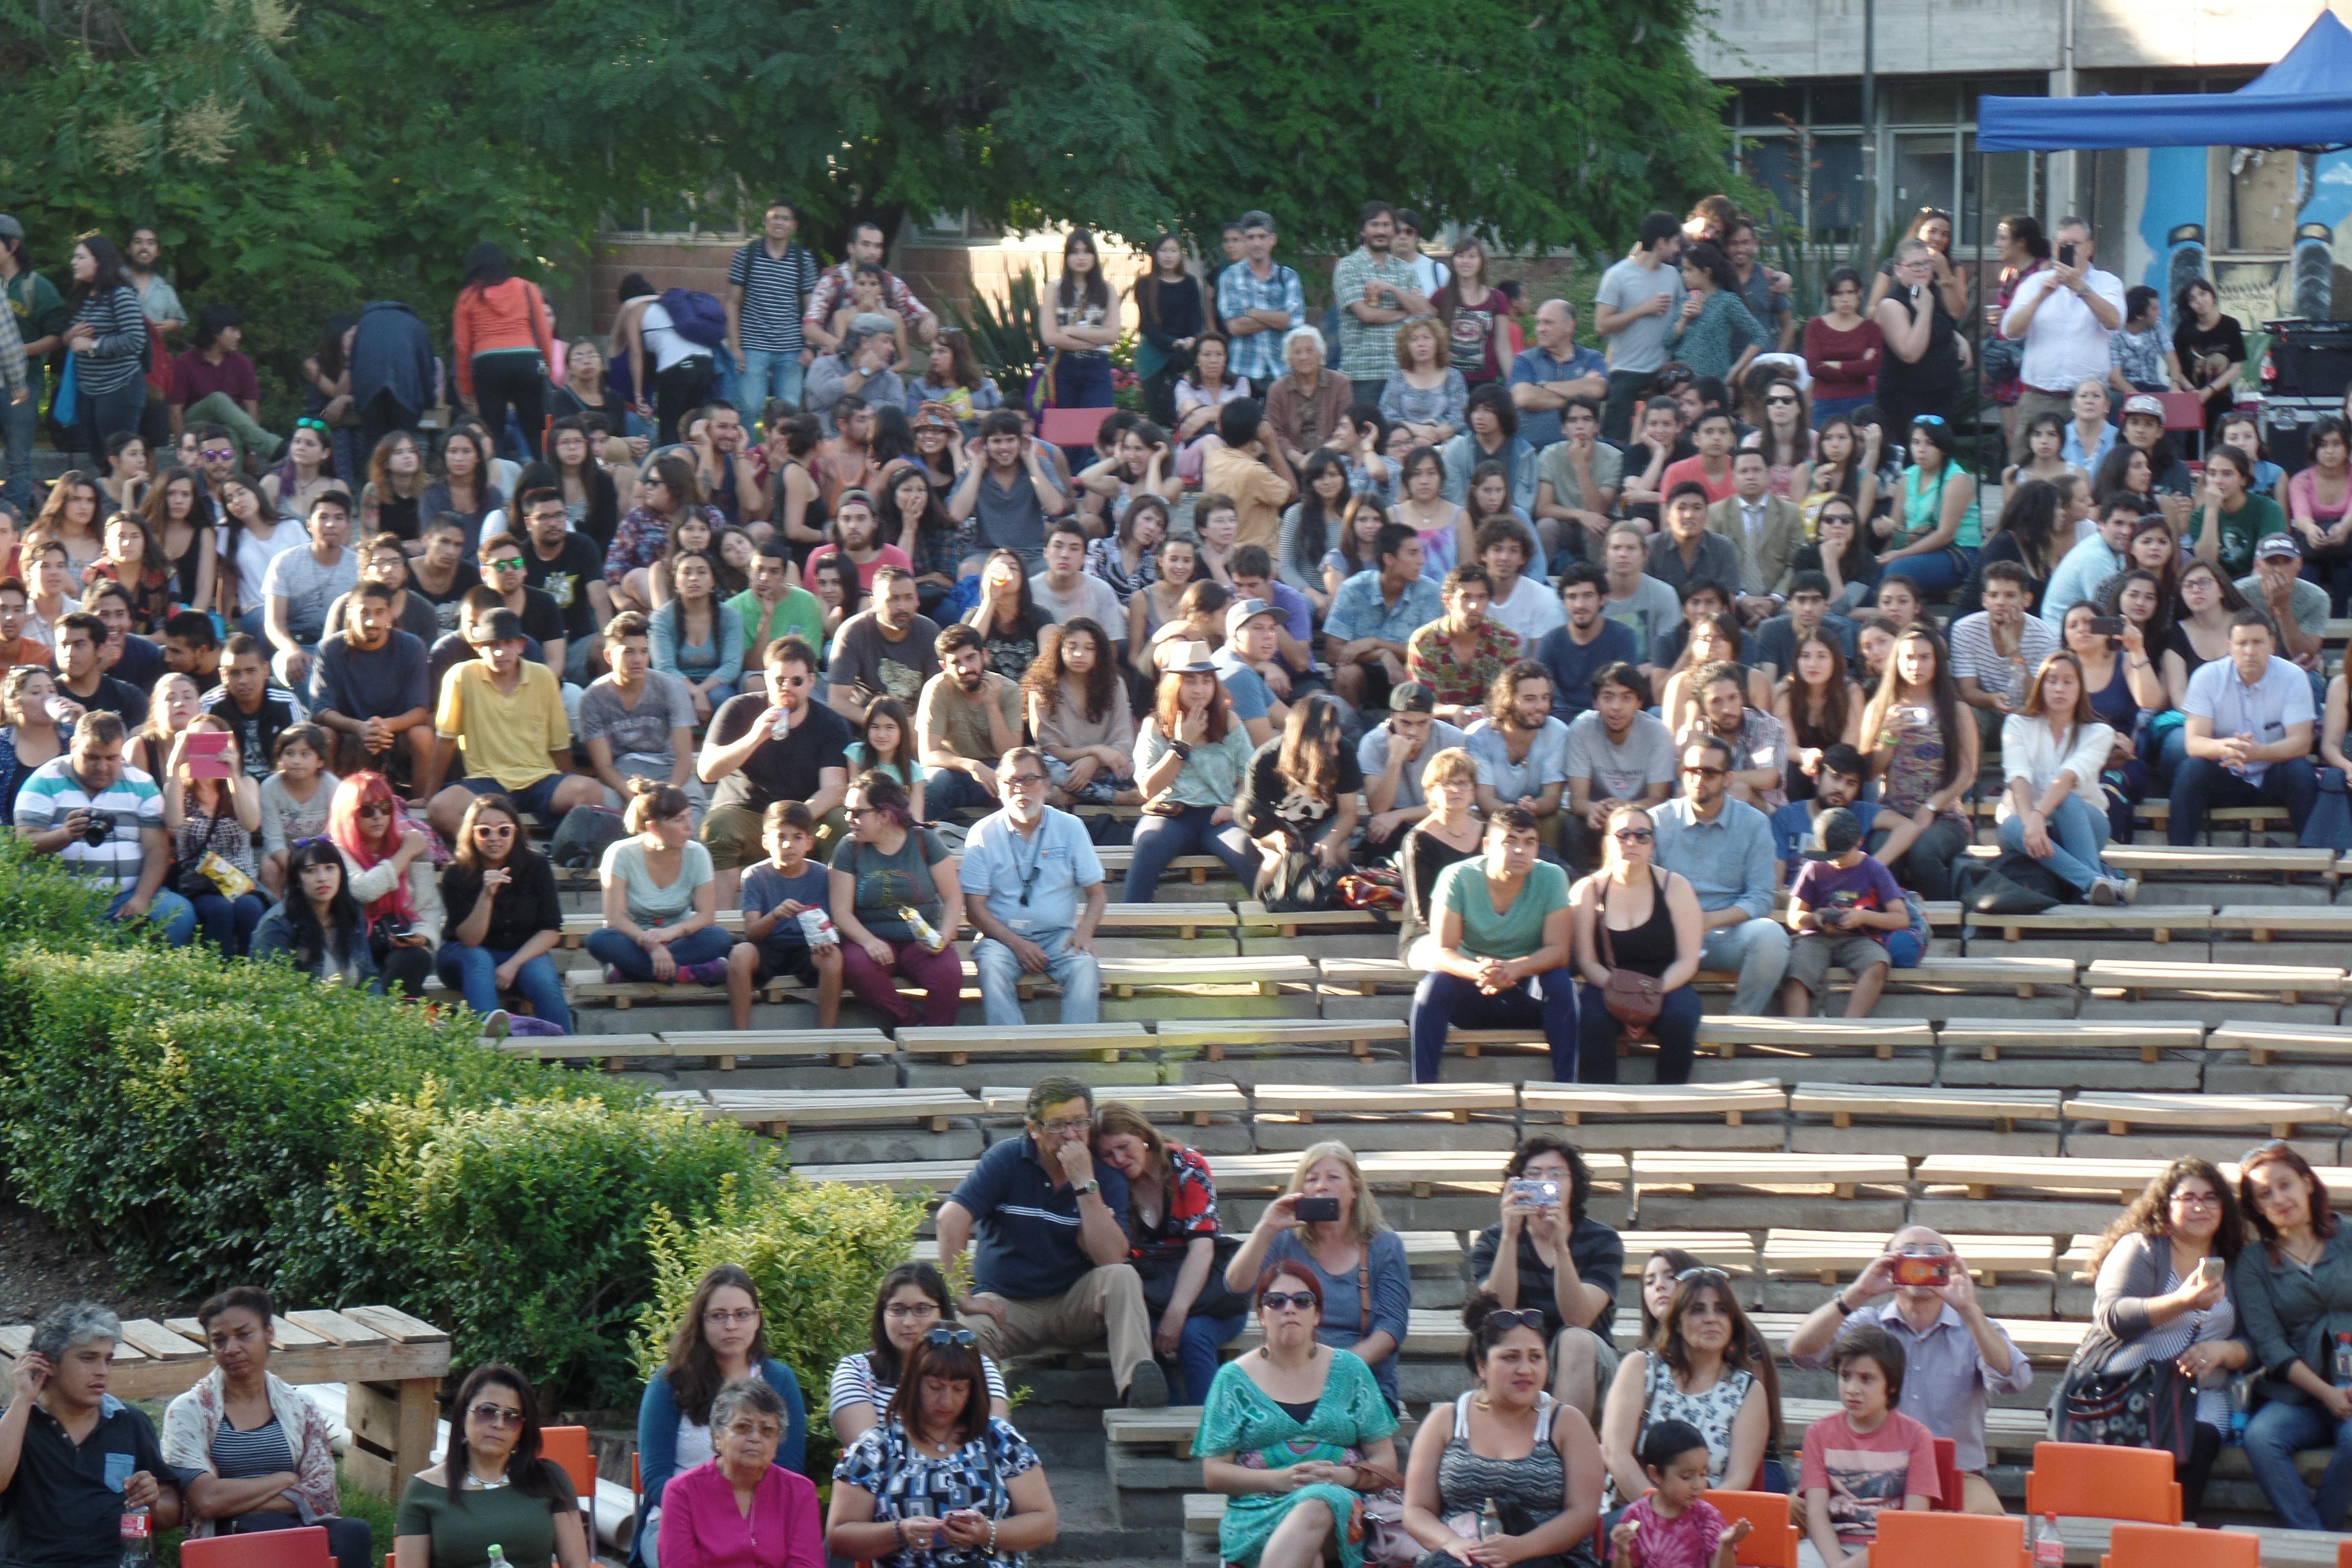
pixel 2281 245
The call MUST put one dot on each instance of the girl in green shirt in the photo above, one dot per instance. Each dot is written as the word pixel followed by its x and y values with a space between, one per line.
pixel 2236 516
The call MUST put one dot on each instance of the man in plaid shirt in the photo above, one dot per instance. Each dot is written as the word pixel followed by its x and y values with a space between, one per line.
pixel 833 286
pixel 1259 300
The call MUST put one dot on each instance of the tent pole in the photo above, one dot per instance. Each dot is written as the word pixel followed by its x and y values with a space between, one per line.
pixel 1984 333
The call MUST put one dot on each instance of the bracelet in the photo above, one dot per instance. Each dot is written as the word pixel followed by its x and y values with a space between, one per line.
pixel 900 1526
pixel 992 1537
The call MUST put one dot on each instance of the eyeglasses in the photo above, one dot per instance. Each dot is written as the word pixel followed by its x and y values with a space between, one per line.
pixel 490 1414
pixel 1517 1318
pixel 1023 781
pixel 376 808
pixel 2188 1200
pixel 1779 403
pixel 901 1314
pixel 944 1335
pixel 1296 1301
pixel 1065 1129
pixel 1634 835
pixel 1697 771
pixel 724 1317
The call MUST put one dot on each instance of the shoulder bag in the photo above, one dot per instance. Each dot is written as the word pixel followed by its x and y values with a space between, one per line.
pixel 1633 998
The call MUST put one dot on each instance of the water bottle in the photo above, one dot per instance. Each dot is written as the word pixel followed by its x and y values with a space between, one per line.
pixel 137 1539
pixel 2344 1360
pixel 498 1556
pixel 2242 1401
pixel 1490 1521
pixel 2048 1549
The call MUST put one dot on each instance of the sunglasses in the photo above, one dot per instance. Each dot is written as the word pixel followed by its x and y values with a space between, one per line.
pixel 1934 419
pixel 502 830
pixel 1706 773
pixel 308 424
pixel 1779 403
pixel 1703 1271
pixel 376 808
pixel 1636 834
pixel 490 1414
pixel 1298 1301
pixel 220 454
pixel 513 563
pixel 943 1335
pixel 1517 1318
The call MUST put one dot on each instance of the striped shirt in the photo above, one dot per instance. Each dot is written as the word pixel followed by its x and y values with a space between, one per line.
pixel 264 1451
pixel 1258 355
pixel 122 328
pixel 773 288
pixel 127 806
pixel 854 1380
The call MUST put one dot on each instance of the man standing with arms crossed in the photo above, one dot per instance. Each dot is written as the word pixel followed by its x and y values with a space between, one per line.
pixel 1259 300
pixel 1374 290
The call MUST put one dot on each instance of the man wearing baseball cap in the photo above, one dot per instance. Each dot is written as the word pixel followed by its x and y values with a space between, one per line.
pixel 1250 645
pixel 2296 608
pixel 2174 484
pixel 505 712
pixel 1392 754
pixel 2065 315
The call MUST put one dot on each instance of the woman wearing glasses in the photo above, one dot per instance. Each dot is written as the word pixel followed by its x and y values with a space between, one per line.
pixel 1632 916
pixel 1706 1367
pixel 941 1482
pixel 1504 1446
pixel 1364 1286
pixel 913 1302
pixel 2295 1291
pixel 899 904
pixel 741 1508
pixel 2163 1297
pixel 723 1339
pixel 493 1487
pixel 503 916
pixel 388 871
pixel 1296 1434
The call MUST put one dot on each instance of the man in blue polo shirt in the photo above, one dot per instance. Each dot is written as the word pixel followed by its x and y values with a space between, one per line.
pixel 1050 1273
pixel 73 1458
pixel 1024 870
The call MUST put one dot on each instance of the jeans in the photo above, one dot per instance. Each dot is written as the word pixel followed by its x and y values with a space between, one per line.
pixel 1078 973
pixel 473 971
pixel 949 789
pixel 516 378
pixel 228 923
pixel 1676 1031
pixel 767 376
pixel 19 422
pixel 709 945
pixel 679 392
pixel 1626 390
pixel 2078 838
pixel 1938 571
pixel 108 414
pixel 1082 381
pixel 1927 868
pixel 2274 1436
pixel 2203 783
pixel 404 970
pixel 1759 950
pixel 1161 839
pixel 1196 1355
pixel 349 1541
pixel 220 408
pixel 941 974
pixel 1443 999
pixel 1828 408
pixel 167 912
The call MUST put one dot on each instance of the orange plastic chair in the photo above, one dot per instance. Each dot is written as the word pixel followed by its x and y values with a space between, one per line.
pixel 1907 1539
pixel 2343 1555
pixel 304 1548
pixel 1773 1543
pixel 568 1446
pixel 2093 1480
pixel 2166 1546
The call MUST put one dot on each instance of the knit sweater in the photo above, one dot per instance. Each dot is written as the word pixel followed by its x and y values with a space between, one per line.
pixel 122 328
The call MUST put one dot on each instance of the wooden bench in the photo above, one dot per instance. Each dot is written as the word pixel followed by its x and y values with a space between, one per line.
pixel 2158 921
pixel 959 1043
pixel 1991 1037
pixel 1733 1251
pixel 1431 1334
pixel 2021 975
pixel 1210 1036
pixel 614 1050
pixel 1267 976
pixel 2042 1176
pixel 1414 1172
pixel 2262 921
pixel 578 924
pixel 2264 1042
pixel 1256 920
pixel 1195 1103
pixel 776 1112
pixel 724 1047
pixel 390 1363
pixel 1366 976
pixel 1724 1034
pixel 1699 1169
pixel 2212 860
pixel 902 1176
pixel 2279 1114
pixel 2136 979
pixel 1454 1101
pixel 1732 1102
pixel 2005 1108
pixel 1829 1256
pixel 1187 920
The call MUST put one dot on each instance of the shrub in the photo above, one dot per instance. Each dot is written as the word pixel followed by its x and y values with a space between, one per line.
pixel 48 902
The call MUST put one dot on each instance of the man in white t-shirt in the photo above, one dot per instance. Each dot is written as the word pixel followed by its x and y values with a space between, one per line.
pixel 2247 730
pixel 1617 754
pixel 2065 315
pixel 1066 590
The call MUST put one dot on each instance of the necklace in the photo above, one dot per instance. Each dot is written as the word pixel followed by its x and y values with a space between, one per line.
pixel 476 1484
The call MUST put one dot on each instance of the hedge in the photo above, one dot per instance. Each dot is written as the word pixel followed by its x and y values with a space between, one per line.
pixel 210 1123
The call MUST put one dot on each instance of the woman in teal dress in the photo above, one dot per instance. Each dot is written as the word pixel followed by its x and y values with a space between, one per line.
pixel 1295 1423
pixel 1716 335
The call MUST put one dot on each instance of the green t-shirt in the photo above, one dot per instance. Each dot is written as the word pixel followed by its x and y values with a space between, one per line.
pixel 799 614
pixel 885 882
pixel 524 1527
pixel 2244 529
pixel 40 312
pixel 1517 932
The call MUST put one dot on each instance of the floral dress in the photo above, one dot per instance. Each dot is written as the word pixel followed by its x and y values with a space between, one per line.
pixel 906 1483
pixel 642 537
pixel 1711 1412
pixel 1916 771
pixel 1242 1419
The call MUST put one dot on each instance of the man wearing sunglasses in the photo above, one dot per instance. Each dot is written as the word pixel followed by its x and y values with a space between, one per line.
pixel 1025 871
pixel 1050 1272
pixel 1954 1355
pixel 1724 848
pixel 505 566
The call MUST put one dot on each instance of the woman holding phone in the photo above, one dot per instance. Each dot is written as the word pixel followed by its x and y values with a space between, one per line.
pixel 212 809
pixel 1328 1221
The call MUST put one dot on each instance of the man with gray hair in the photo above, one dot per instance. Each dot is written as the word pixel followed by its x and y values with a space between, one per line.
pixel 1034 888
pixel 862 365
pixel 2065 314
pixel 73 1458
pixel 1050 1273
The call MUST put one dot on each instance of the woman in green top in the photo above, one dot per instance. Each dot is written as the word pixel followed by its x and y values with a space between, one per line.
pixel 899 904
pixel 1189 758
pixel 2236 516
pixel 1939 529
pixel 1716 335
pixel 1630 915
pixel 1499 949
pixel 1296 1434
pixel 507 1494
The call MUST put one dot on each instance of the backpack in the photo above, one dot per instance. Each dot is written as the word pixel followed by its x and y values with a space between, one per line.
pixel 584 835
pixel 698 317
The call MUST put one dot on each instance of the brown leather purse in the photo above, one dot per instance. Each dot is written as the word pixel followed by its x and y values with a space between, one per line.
pixel 1633 998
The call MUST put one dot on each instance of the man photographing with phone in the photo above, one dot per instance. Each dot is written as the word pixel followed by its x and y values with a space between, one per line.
pixel 2065 315
pixel 1920 1293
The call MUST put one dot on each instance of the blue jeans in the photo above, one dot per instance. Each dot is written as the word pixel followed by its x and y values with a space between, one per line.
pixel 473 971
pixel 108 414
pixel 228 923
pixel 1196 1355
pixel 2078 838
pixel 1677 1032
pixel 1443 1001
pixel 765 375
pixel 1938 571
pixel 1082 381
pixel 709 945
pixel 2276 1433
pixel 170 914
pixel 2203 783
pixel 1161 839
pixel 1829 408
pixel 1078 973
pixel 19 422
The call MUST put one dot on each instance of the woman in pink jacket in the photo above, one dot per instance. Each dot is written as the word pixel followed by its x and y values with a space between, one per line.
pixel 741 1508
pixel 506 346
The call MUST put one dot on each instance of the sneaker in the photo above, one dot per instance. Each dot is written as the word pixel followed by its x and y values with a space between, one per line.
pixel 498 1026
pixel 1147 1389
pixel 2103 892
pixel 612 975
pixel 711 973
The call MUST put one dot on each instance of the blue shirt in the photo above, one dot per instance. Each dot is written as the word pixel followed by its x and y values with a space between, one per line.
pixel 1727 861
pixel 2079 575
pixel 764 887
pixel 1573 664
pixel 1793 825
pixel 2071 450
pixel 1462 455
pixel 1248 690
pixel 1258 355
pixel 1359 610
pixel 2264 710
pixel 1534 365
pixel 1545 763
pixel 1025 1228
pixel 1031 884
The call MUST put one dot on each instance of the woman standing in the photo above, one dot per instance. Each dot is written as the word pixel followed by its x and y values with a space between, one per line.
pixel 1924 748
pixel 1505 1450
pixel 793 499
pixel 1189 757
pixel 1077 707
pixel 1702 1367
pixel 1300 794
pixel 1172 1223
pixel 108 339
pixel 1931 228
pixel 1295 1435
pixel 721 1341
pixel 1631 915
pixel 1127 558
pixel 1309 525
pixel 465 486
pixel 1476 317
pixel 697 638
pixel 1818 707
pixel 740 1509
pixel 213 819
pixel 1716 335
pixel 2024 250
pixel 308 468
pixel 660 903
pixel 1167 319
pixel 2294 1291
pixel 394 500
pixel 504 346
pixel 1936 528
pixel 504 917
pixel 1925 353
pixel 32 733
pixel 1364 1285
pixel 899 904
pixel 389 870
pixel 1842 349
pixel 912 1301
pixel 493 1487
pixel 317 925
pixel 2053 809
pixel 1307 405
pixel 184 539
pixel 1080 326
pixel 1425 393
pixel 2319 503
pixel 2208 349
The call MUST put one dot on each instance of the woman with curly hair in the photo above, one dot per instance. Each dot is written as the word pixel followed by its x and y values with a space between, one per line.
pixel 1077 707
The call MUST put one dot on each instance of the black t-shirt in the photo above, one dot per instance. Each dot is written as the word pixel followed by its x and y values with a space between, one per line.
pixel 139 665
pixel 111 696
pixel 258 731
pixel 780 770
pixel 527 905
pixel 565 580
pixel 2192 342
pixel 64 1506
pixel 1598 1252
pixel 446 605
pixel 1268 803
pixel 417 618
pixel 541 621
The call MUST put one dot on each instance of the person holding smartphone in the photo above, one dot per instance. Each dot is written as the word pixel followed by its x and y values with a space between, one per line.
pixel 1328 1221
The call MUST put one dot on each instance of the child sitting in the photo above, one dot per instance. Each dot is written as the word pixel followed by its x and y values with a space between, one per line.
pixel 1844 909
pixel 889 746
pixel 775 940
pixel 294 799
pixel 1676 1526
pixel 1867 1457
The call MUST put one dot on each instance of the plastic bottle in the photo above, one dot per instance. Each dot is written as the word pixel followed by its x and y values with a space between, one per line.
pixel 2241 1400
pixel 2049 1548
pixel 1490 1521
pixel 2344 1360
pixel 498 1557
pixel 137 1539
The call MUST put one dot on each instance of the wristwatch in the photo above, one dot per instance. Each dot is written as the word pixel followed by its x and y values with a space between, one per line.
pixel 1088 1187
pixel 1184 751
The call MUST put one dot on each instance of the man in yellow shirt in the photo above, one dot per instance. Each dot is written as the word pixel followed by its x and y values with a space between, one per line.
pixel 507 714
pixel 1251 468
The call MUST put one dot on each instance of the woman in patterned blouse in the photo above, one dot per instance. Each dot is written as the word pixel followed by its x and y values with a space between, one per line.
pixel 1172 1220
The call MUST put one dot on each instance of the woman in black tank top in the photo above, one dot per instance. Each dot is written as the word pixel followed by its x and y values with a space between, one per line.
pixel 1660 937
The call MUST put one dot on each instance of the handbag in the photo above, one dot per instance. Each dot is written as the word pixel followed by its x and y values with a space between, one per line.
pixel 2150 1406
pixel 1297 882
pixel 2330 825
pixel 1633 998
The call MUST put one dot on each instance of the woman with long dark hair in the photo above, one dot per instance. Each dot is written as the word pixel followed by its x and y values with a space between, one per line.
pixel 1781 433
pixel 1844 463
pixel 1934 531
pixel 503 916
pixel 1839 552
pixel 308 468
pixel 794 503
pixel 722 1338
pixel 1172 1222
pixel 1309 524
pixel 1708 1366
pixel 326 389
pixel 1843 349
pixel 132 561
pixel 1300 794
pixel 504 345
pixel 1716 335
pixel 1190 756
pixel 2295 1289
pixel 1477 315
pixel 1923 744
pixel 464 486
pixel 697 636
pixel 108 339
pixel 1129 558
pixel 317 924
pixel 1168 317
pixel 916 518
pixel 1077 707
pixel 2052 806
pixel 911 1302
pixel 214 823
pixel 668 493
pixel 1818 707
pixel 2319 506
pixel 590 500
pixel 1007 616
pixel 394 499
pixel 1079 323
pixel 70 516
pixel 185 540
pixel 494 1486
pixel 2027 533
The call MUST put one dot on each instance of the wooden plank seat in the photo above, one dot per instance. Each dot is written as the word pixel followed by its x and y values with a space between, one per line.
pixel 2036 1175
pixel 2262 921
pixel 1266 976
pixel 1256 920
pixel 2256 816
pixel 2075 1263
pixel 2005 1108
pixel 1431 1334
pixel 2137 979
pixel 1989 1037
pixel 1194 1102
pixel 589 988
pixel 1726 1034
pixel 2264 1042
pixel 1942 973
pixel 1195 868
pixel 938 1176
pixel 2203 860
pixel 1210 1036
pixel 1370 976
pixel 1187 920
pixel 614 1050
pixel 1732 1102
pixel 1454 1101
pixel 1733 1251
pixel 959 1043
pixel 2279 1114
pixel 1830 1256
pixel 1702 1169
pixel 725 1047
pixel 2157 921
pixel 1415 1172
pixel 776 1112
pixel 580 922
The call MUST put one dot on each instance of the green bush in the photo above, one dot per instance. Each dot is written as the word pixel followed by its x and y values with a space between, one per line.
pixel 46 902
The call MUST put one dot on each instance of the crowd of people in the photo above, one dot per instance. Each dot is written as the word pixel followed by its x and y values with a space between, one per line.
pixel 1092 1228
